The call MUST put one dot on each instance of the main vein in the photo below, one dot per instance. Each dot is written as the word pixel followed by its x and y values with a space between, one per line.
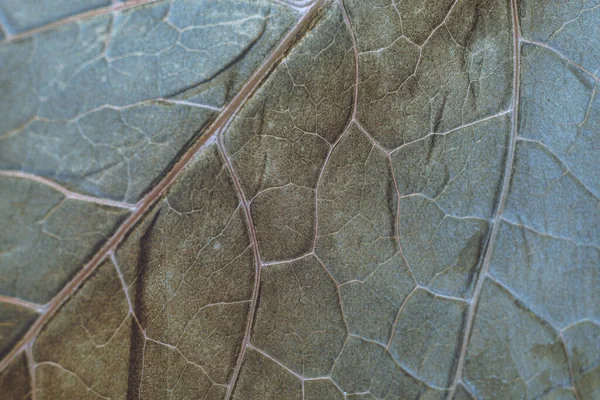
pixel 156 193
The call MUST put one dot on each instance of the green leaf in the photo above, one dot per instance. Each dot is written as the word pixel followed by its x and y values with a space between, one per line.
pixel 300 200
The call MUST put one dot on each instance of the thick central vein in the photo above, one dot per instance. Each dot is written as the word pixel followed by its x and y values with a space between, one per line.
pixel 169 179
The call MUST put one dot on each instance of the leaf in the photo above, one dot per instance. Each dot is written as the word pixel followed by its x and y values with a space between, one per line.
pixel 300 200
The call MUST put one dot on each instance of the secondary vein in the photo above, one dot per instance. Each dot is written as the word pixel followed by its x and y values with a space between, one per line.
pixel 510 156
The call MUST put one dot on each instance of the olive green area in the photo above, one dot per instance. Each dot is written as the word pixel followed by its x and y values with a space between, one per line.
pixel 46 238
pixel 263 378
pixel 74 354
pixel 15 382
pixel 168 312
pixel 414 218
pixel 321 389
pixel 83 100
pixel 357 203
pixel 299 311
pixel 430 66
pixel 189 269
pixel 279 142
pixel 14 322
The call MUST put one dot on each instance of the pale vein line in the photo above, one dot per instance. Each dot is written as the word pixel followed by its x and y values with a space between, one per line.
pixel 440 295
pixel 104 106
pixel 466 389
pixel 580 321
pixel 257 266
pixel 258 262
pixel 563 165
pixel 548 234
pixel 441 23
pixel 66 192
pixel 137 321
pixel 399 196
pixel 499 207
pixel 291 260
pixel 302 6
pixel 404 368
pixel 523 304
pixel 562 56
pixel 400 310
pixel 283 366
pixel 458 128
pixel 120 6
pixel 74 374
pixel 31 368
pixel 188 103
pixel 346 128
pixel 124 287
pixel 38 308
pixel 318 185
pixel 155 194
pixel 392 171
pixel 544 322
pixel 570 366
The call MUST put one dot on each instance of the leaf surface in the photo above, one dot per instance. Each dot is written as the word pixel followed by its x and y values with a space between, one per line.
pixel 300 200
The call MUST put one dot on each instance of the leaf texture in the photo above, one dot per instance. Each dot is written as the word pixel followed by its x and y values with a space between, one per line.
pixel 300 200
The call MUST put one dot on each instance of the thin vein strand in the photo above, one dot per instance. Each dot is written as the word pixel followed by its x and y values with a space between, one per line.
pixel 562 56
pixel 117 6
pixel 38 308
pixel 69 194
